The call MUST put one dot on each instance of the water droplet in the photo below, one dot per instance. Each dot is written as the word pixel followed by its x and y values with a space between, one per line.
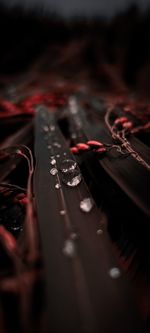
pixel 53 171
pixel 73 136
pixel 57 144
pixel 68 166
pixel 99 232
pixel 86 205
pixel 114 273
pixel 52 128
pixel 52 157
pixel 65 154
pixel 57 156
pixel 49 146
pixel 62 212
pixel 53 162
pixel 57 186
pixel 45 128
pixel 74 235
pixel 69 248
pixel 72 179
pixel 73 107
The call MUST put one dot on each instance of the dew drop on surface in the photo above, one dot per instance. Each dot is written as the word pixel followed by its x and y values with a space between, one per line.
pixel 73 107
pixel 62 212
pixel 67 165
pixel 74 235
pixel 52 128
pixel 57 186
pixel 58 156
pixel 99 232
pixel 69 248
pixel 53 171
pixel 45 128
pixel 86 205
pixel 53 161
pixel 57 144
pixel 73 136
pixel 72 179
pixel 114 273
pixel 65 154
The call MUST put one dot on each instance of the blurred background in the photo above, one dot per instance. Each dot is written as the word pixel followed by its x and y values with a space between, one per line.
pixel 107 42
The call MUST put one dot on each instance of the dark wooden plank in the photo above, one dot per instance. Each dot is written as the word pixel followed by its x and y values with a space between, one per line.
pixel 130 175
pixel 81 294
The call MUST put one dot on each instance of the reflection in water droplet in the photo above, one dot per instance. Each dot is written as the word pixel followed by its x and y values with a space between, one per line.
pixel 53 162
pixel 53 171
pixel 72 179
pixel 86 205
pixel 57 186
pixel 69 248
pixel 114 273
pixel 62 212
pixel 68 165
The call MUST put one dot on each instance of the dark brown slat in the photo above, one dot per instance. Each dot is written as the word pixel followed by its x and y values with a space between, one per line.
pixel 130 175
pixel 81 295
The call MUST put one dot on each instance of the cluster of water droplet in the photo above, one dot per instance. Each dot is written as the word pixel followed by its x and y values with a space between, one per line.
pixel 70 172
